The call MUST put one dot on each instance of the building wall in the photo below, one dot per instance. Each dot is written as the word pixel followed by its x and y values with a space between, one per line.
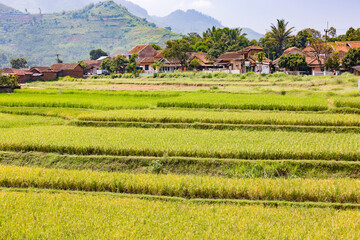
pixel 24 78
pixel 357 73
pixel 48 76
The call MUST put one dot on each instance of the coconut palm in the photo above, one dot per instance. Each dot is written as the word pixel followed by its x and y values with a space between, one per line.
pixel 281 35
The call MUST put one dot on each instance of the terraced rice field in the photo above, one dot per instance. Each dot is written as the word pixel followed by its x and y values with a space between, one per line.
pixel 188 165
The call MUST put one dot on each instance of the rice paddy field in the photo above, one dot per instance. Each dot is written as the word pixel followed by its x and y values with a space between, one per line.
pixel 181 156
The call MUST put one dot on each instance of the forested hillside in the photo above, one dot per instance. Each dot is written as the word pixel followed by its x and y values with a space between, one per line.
pixel 73 34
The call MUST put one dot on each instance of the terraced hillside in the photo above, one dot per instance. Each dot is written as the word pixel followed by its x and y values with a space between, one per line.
pixel 206 164
pixel 73 34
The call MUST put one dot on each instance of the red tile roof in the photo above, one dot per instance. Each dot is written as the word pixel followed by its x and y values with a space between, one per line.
pixel 292 49
pixel 18 72
pixel 248 49
pixel 138 48
pixel 64 66
pixel 40 69
pixel 229 56
pixel 357 68
pixel 159 54
pixel 202 57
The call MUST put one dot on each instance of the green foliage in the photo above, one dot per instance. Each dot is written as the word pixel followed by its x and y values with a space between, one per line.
pixel 195 63
pixel 18 63
pixel 302 38
pixel 221 40
pixel 83 64
pixel 294 62
pixel 157 65
pixel 352 58
pixel 118 64
pixel 106 64
pixel 97 53
pixel 74 34
pixel 333 63
pixel 156 46
pixel 178 50
pixel 277 39
pixel 260 57
pixel 8 80
pixel 132 65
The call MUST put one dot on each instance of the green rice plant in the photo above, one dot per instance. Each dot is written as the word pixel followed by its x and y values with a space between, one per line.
pixel 46 215
pixel 224 117
pixel 240 144
pixel 65 113
pixel 188 166
pixel 83 99
pixel 293 190
pixel 11 121
pixel 120 100
pixel 247 101
pixel 347 102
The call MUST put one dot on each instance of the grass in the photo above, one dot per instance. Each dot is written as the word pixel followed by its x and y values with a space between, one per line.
pixel 11 121
pixel 69 216
pixel 239 144
pixel 225 117
pixel 188 166
pixel 294 190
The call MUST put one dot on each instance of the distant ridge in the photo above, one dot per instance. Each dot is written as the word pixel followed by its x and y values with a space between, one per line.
pixel 179 21
pixel 73 34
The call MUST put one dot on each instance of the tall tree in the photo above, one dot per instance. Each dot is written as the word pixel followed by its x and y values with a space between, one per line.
pixel 97 53
pixel 352 58
pixel 294 62
pixel 118 64
pixel 132 65
pixel 281 35
pixel 18 63
pixel 178 50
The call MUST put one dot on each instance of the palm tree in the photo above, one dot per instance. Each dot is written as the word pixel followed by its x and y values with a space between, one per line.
pixel 280 34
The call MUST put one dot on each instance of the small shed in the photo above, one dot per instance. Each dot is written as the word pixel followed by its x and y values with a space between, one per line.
pixel 356 70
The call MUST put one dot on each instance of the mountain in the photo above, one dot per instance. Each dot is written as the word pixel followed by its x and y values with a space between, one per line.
pixel 8 10
pixel 179 21
pixel 134 9
pixel 72 34
pixel 186 22
pixel 251 34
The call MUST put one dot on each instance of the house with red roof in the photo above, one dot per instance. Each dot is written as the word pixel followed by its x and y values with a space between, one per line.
pixel 74 70
pixel 244 61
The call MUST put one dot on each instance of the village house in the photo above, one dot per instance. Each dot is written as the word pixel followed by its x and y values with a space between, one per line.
pixel 205 63
pixel 147 56
pixel 74 70
pixel 316 61
pixel 244 61
pixel 143 51
pixel 43 73
pixel 92 66
pixel 24 75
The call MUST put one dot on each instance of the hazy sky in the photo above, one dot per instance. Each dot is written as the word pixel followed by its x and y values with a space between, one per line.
pixel 258 14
